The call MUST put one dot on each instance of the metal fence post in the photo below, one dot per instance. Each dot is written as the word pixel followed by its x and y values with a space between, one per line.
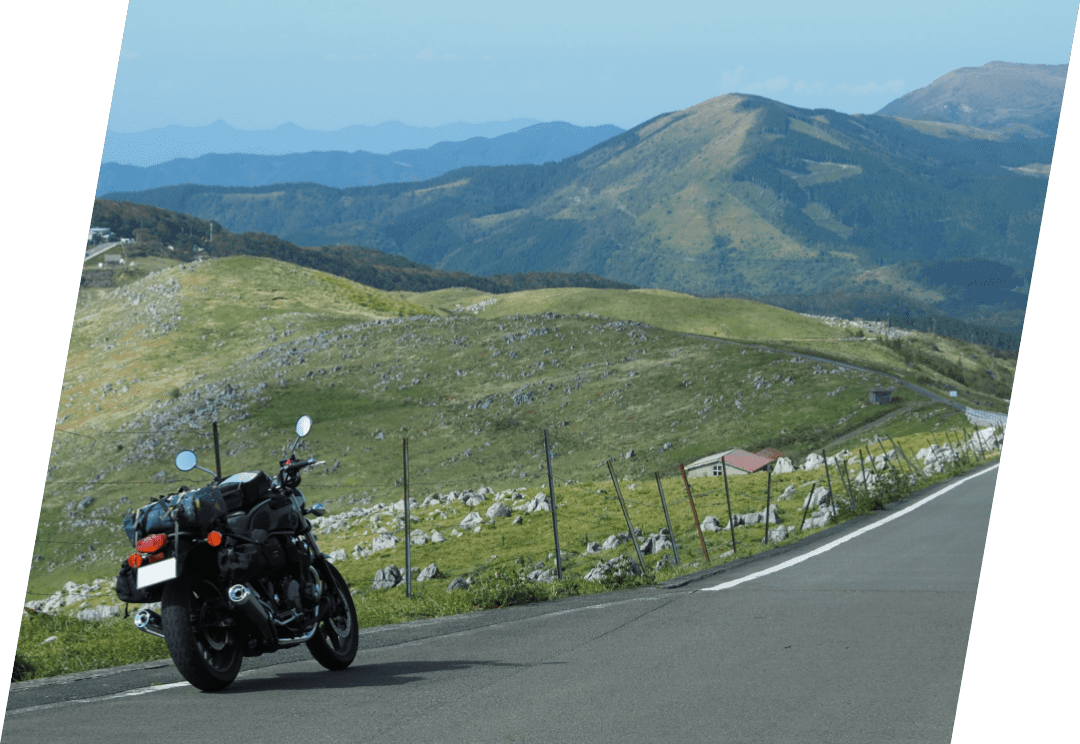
pixel 977 438
pixel 217 451
pixel 693 509
pixel 806 509
pixel 903 454
pixel 629 526
pixel 841 470
pixel 768 498
pixel 862 466
pixel 408 536
pixel 828 480
pixel 948 439
pixel 959 448
pixel 936 442
pixel 730 514
pixel 667 518
pixel 554 519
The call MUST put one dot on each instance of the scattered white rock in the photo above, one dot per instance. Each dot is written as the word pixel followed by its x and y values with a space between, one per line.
pixel 101 612
pixel 472 519
pixel 777 535
pixel 498 509
pixel 756 518
pixel 431 571
pixel 387 578
pixel 711 524
pixel 820 495
pixel 783 465
pixel 384 541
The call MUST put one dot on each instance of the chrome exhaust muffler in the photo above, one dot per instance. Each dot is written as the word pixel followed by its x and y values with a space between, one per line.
pixel 246 601
pixel 149 621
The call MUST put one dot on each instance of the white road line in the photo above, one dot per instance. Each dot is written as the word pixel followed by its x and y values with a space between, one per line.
pixel 844 539
pixel 126 693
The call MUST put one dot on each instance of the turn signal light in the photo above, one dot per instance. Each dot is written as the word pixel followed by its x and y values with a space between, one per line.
pixel 151 543
pixel 213 539
pixel 134 560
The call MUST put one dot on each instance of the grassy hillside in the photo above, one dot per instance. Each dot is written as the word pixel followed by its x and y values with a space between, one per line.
pixel 253 343
pixel 1006 96
pixel 160 234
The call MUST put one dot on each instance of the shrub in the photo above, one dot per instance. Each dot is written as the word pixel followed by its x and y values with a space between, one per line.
pixel 22 669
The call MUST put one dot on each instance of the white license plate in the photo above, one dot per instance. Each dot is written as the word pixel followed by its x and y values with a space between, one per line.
pixel 155 573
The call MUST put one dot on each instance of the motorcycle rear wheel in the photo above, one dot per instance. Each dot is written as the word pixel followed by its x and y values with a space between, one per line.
pixel 207 656
pixel 337 637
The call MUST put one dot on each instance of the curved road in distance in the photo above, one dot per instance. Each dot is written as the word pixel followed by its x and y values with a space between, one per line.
pixel 860 638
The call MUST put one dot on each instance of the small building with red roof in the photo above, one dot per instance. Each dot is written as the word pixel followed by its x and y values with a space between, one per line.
pixel 737 462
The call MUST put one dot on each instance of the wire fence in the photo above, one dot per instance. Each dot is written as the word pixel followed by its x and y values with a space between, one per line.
pixel 629 524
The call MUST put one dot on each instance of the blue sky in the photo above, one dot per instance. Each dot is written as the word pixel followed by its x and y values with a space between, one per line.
pixel 327 65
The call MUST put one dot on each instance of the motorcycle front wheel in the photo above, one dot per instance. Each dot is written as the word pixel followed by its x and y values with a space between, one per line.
pixel 205 653
pixel 337 637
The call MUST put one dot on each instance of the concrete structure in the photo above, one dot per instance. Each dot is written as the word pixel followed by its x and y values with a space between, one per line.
pixel 880 397
pixel 738 462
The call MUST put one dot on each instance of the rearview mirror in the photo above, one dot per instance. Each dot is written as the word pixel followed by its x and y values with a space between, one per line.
pixel 303 426
pixel 186 460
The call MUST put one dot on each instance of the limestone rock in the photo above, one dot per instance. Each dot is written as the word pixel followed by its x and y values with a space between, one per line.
pixel 387 578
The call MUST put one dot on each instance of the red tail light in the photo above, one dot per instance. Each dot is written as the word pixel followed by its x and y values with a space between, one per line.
pixel 151 543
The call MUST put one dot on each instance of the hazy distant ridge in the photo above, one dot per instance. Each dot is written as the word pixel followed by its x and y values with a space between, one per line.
pixel 536 144
pixel 168 143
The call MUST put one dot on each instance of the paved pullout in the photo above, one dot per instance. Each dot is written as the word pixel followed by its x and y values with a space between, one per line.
pixel 863 642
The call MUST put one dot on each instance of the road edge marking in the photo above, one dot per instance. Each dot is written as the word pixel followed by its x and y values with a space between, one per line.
pixel 841 540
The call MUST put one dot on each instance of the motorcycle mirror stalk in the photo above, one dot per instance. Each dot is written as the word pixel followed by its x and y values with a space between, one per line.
pixel 187 460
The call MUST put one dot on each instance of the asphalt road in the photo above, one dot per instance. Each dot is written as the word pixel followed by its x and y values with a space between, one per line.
pixel 855 635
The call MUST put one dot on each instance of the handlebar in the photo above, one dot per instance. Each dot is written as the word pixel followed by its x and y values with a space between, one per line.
pixel 291 466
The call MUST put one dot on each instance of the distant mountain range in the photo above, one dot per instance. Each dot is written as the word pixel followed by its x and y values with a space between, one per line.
pixel 738 195
pixel 160 145
pixel 536 144
pixel 1002 96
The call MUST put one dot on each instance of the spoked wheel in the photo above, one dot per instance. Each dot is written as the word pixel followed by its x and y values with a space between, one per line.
pixel 206 653
pixel 337 637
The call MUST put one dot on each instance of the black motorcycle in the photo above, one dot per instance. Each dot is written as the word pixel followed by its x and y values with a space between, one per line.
pixel 238 573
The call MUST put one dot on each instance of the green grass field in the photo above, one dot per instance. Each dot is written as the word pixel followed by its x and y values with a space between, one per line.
pixel 253 343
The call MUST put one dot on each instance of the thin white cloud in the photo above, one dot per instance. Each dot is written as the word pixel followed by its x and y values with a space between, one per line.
pixel 802 86
pixel 872 87
pixel 730 80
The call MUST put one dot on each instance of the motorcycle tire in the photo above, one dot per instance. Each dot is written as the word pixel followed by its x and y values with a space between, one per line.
pixel 337 637
pixel 208 657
